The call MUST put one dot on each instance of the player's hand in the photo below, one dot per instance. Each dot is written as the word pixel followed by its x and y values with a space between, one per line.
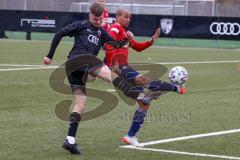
pixel 47 61
pixel 129 35
pixel 156 35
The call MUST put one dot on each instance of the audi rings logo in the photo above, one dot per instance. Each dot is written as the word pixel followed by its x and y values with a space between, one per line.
pixel 221 28
pixel 93 39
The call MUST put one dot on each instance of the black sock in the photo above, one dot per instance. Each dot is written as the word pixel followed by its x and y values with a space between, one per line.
pixel 74 120
pixel 161 86
pixel 127 88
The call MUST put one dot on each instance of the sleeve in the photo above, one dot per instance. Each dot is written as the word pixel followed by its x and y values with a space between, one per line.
pixel 114 31
pixel 139 46
pixel 66 31
pixel 106 36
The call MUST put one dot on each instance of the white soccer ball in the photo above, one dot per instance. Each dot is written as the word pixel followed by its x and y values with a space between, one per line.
pixel 178 75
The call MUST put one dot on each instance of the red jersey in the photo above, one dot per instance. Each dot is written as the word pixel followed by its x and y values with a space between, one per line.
pixel 120 56
pixel 105 20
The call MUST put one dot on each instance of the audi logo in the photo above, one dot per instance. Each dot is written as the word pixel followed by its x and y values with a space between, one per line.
pixel 221 28
pixel 93 39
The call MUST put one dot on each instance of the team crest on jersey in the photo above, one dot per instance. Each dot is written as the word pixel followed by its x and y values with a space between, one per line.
pixel 99 33
pixel 166 25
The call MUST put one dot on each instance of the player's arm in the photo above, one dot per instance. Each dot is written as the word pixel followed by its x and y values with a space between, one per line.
pixel 139 46
pixel 66 31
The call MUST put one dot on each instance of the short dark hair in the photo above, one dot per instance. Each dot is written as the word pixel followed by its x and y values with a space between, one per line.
pixel 96 9
pixel 119 12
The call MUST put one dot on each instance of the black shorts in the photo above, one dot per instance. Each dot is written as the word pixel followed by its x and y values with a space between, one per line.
pixel 78 68
pixel 77 80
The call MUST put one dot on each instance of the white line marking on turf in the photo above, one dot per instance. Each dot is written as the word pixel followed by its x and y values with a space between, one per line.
pixel 21 65
pixel 32 41
pixel 19 69
pixel 191 137
pixel 203 62
pixel 194 48
pixel 191 62
pixel 184 153
pixel 111 90
pixel 55 66
pixel 185 138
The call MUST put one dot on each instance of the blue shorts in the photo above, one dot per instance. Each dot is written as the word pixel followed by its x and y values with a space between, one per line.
pixel 129 74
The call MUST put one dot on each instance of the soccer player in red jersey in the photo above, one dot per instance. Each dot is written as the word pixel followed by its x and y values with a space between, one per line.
pixel 117 60
pixel 105 24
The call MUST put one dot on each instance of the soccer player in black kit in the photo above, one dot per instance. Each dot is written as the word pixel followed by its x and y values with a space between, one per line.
pixel 89 37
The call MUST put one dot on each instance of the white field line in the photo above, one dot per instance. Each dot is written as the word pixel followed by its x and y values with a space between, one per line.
pixel 111 90
pixel 186 138
pixel 203 62
pixel 193 62
pixel 154 46
pixel 20 69
pixel 32 41
pixel 21 65
pixel 55 66
pixel 194 48
pixel 191 137
pixel 183 153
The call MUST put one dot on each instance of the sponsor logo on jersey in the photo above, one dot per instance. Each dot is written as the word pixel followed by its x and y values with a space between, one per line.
pixel 93 39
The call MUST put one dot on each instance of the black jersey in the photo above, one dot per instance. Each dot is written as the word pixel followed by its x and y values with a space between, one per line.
pixel 87 38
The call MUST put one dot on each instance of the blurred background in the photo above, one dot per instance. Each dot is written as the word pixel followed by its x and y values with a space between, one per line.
pixel 195 16
pixel 221 8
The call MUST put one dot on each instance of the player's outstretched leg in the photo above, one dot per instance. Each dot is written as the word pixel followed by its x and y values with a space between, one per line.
pixel 121 83
pixel 134 92
pixel 158 85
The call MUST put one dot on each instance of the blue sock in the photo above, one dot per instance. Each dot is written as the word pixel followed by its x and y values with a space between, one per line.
pixel 138 120
pixel 161 86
